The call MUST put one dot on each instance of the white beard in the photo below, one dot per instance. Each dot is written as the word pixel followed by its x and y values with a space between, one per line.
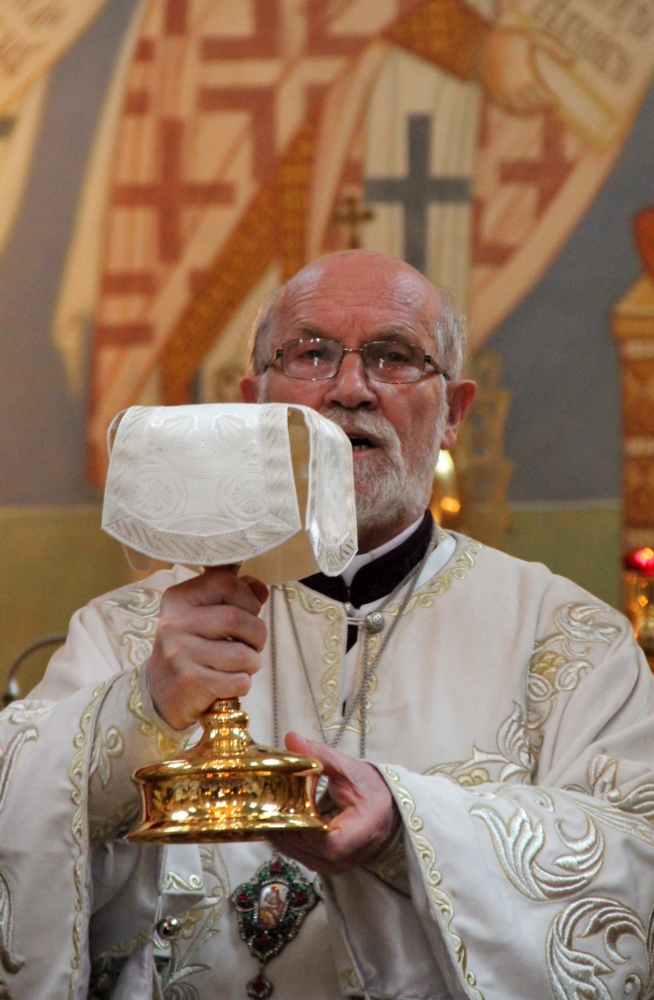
pixel 386 488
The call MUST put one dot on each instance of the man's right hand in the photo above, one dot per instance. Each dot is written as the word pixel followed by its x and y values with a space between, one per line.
pixel 207 644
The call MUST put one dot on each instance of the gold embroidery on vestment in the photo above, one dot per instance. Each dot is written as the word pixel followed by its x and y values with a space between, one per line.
pixel 330 709
pixel 8 758
pixel 513 756
pixel 135 705
pixel 105 746
pixel 166 745
pixel 349 980
pixel 117 825
pixel 175 883
pixel 127 946
pixel 575 973
pixel 331 679
pixel 78 778
pixel 518 844
pixel 20 712
pixel 559 661
pixel 602 778
pixel 433 879
pixel 144 604
pixel 425 597
pixel 199 923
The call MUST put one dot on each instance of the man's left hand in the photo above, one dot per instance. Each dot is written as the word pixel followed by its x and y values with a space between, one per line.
pixel 363 821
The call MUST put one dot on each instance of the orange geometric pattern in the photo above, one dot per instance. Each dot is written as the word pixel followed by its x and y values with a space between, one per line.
pixel 215 159
pixel 211 180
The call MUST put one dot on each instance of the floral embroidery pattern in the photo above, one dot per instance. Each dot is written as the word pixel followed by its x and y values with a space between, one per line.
pixel 135 705
pixel 433 879
pixel 143 604
pixel 518 844
pixel 602 778
pixel 574 973
pixel 8 960
pixel 20 712
pixel 330 684
pixel 513 758
pixel 105 746
pixel 199 924
pixel 559 661
pixel 165 744
pixel 440 584
pixel 78 777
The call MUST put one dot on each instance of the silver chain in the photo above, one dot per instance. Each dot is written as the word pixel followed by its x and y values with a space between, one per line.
pixel 369 668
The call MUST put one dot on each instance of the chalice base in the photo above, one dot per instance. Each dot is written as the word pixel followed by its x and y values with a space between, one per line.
pixel 226 788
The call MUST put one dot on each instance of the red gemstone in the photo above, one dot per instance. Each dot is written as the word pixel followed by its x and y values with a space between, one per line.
pixel 242 899
pixel 259 988
pixel 301 898
pixel 276 866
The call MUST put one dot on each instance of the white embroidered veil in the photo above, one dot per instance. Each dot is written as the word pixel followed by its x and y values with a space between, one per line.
pixel 267 485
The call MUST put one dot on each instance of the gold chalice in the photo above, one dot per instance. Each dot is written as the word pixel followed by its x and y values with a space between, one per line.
pixel 227 787
pixel 267 486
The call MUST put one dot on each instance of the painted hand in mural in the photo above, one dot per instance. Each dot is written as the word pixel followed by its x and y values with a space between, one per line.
pixel 505 64
pixel 363 821
pixel 207 644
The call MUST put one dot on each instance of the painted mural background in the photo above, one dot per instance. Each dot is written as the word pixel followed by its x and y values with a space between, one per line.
pixel 166 163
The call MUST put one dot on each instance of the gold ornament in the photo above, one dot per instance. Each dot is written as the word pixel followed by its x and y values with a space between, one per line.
pixel 227 787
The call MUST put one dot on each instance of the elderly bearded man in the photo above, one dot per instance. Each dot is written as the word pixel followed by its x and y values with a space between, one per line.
pixel 500 846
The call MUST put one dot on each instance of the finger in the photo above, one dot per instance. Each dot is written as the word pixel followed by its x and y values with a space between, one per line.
pixel 222 656
pixel 334 764
pixel 215 586
pixel 289 845
pixel 203 685
pixel 260 590
pixel 223 621
pixel 183 702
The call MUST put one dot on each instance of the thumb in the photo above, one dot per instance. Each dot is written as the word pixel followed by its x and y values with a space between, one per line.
pixel 330 759
pixel 258 588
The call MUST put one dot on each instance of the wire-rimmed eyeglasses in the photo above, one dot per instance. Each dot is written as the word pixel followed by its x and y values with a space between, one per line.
pixel 318 358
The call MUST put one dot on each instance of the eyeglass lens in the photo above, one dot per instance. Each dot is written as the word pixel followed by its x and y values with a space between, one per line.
pixel 384 360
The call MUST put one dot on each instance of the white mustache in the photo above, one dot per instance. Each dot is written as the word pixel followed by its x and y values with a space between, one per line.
pixel 366 424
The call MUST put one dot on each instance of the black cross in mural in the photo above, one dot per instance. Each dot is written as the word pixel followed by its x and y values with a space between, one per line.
pixel 417 191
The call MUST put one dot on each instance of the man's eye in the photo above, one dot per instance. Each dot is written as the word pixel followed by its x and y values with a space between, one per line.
pixel 396 356
pixel 312 354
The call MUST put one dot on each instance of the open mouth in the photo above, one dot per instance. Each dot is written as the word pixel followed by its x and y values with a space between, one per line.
pixel 361 444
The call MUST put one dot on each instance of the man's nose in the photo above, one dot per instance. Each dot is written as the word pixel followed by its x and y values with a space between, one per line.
pixel 351 386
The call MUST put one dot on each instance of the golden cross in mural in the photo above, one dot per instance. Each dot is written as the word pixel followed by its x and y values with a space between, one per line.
pixel 353 213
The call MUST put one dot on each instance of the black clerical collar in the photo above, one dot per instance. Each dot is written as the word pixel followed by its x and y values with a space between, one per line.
pixel 378 578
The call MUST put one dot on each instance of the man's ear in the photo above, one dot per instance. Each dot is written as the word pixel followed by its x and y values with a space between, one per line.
pixel 250 388
pixel 460 395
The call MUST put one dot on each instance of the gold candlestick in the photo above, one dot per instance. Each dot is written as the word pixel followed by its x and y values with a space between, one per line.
pixel 226 787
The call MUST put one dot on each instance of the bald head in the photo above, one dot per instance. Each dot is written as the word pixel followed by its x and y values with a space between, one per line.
pixel 353 279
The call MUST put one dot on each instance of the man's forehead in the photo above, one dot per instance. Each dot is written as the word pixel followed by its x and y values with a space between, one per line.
pixel 395 298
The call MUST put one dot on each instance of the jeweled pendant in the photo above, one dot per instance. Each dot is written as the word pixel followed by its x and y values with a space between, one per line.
pixel 260 988
pixel 374 622
pixel 271 908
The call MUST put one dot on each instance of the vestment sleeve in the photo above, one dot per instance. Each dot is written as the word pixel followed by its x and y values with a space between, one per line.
pixel 66 758
pixel 537 889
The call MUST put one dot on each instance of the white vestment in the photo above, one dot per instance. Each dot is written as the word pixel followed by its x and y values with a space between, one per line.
pixel 511 716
